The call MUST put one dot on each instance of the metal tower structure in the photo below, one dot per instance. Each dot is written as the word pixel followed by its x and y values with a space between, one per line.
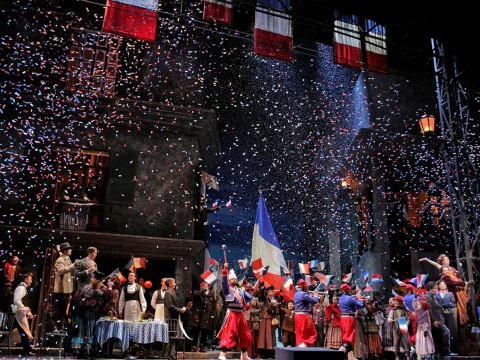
pixel 460 156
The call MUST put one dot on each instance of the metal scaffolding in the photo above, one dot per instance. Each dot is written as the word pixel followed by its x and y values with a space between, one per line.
pixel 460 155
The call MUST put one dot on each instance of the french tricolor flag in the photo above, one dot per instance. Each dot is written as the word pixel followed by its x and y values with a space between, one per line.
pixel 272 36
pixel 398 282
pixel 421 279
pixel 208 276
pixel 288 289
pixel 243 263
pixel 376 278
pixel 265 247
pixel 304 268
pixel 219 11
pixel 229 203
pixel 346 278
pixel 347 48
pixel 376 46
pixel 310 280
pixel 132 18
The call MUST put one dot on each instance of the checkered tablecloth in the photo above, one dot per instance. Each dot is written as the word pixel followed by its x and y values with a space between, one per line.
pixel 119 329
pixel 145 332
pixel 149 332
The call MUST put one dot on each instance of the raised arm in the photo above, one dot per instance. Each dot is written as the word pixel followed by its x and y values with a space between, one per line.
pixel 431 262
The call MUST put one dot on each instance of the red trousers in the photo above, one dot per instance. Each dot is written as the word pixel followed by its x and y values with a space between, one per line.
pixel 347 323
pixel 305 329
pixel 235 327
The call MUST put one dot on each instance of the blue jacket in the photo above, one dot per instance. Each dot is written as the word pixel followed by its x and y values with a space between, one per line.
pixel 233 303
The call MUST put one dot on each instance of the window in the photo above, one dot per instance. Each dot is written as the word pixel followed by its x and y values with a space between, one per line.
pixel 427 209
pixel 82 167
pixel 93 62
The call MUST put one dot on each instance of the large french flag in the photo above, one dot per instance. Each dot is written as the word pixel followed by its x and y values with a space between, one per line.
pixel 219 11
pixel 347 47
pixel 132 18
pixel 266 247
pixel 376 47
pixel 272 36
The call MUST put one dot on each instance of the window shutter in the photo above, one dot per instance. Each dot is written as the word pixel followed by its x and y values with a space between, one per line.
pixel 121 184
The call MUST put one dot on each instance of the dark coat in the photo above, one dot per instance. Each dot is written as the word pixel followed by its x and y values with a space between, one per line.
pixel 203 310
pixel 172 305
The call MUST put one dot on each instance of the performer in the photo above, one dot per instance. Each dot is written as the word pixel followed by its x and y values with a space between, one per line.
pixel 132 303
pixel 91 301
pixel 288 324
pixel 457 286
pixel 234 326
pixel 332 320
pixel 85 267
pixel 13 273
pixel 447 301
pixel 23 313
pixel 349 305
pixel 400 338
pixel 63 288
pixel 306 333
pixel 202 316
pixel 172 312
pixel 441 334
pixel 157 301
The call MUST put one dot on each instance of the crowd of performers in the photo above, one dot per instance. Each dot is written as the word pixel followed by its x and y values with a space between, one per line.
pixel 423 321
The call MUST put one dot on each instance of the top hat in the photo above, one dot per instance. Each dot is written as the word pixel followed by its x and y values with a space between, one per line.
pixel 65 246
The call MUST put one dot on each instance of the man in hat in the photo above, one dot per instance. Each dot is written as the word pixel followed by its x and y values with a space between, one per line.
pixel 23 313
pixel 306 333
pixel 85 268
pixel 202 316
pixel 348 306
pixel 13 273
pixel 63 288
pixel 235 325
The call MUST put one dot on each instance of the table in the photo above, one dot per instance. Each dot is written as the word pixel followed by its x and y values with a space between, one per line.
pixel 144 332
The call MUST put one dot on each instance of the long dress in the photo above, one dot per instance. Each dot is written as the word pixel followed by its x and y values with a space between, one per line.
pixel 457 286
pixel 424 345
pixel 88 303
pixel 372 332
pixel 266 336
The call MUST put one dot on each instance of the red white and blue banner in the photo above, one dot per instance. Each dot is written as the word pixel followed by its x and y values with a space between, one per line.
pixel 376 278
pixel 218 11
pixel 272 36
pixel 347 47
pixel 288 289
pixel 346 278
pixel 132 18
pixel 304 268
pixel 208 276
pixel 266 247
pixel 243 263
pixel 376 47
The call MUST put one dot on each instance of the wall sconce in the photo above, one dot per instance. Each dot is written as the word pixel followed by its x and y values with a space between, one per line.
pixel 427 124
